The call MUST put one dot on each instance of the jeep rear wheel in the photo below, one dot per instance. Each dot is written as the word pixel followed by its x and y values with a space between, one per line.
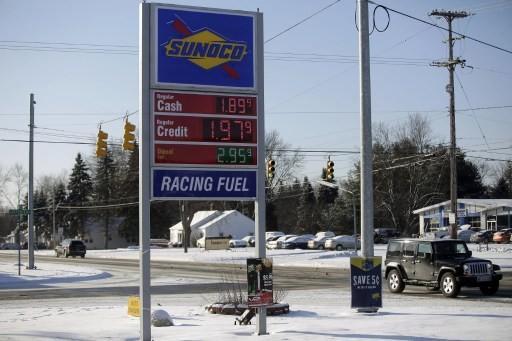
pixel 490 289
pixel 449 285
pixel 339 247
pixel 395 282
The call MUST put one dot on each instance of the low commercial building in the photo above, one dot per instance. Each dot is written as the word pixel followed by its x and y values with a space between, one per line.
pixel 487 214
pixel 214 224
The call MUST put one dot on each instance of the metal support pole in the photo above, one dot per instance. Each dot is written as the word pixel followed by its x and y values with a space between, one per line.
pixel 144 171
pixel 259 205
pixel 31 187
pixel 366 133
pixel 355 223
pixel 53 219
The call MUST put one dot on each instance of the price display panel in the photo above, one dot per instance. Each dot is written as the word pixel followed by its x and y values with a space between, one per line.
pixel 205 129
pixel 204 104
pixel 205 154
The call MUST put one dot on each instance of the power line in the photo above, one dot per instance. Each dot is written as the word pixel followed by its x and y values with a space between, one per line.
pixel 302 21
pixel 440 27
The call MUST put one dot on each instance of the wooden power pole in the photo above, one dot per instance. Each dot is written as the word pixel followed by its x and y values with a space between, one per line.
pixel 450 64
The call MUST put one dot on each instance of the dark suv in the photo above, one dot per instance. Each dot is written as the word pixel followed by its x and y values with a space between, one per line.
pixel 71 247
pixel 438 264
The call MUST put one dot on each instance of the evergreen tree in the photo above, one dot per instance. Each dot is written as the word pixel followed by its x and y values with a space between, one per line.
pixel 41 214
pixel 307 216
pixel 80 190
pixel 286 200
pixel 129 190
pixel 105 192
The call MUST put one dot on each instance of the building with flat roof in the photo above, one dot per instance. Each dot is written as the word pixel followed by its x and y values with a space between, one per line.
pixel 487 214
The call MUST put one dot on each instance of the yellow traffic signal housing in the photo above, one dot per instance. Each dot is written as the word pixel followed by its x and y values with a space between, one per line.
pixel 101 144
pixel 129 136
pixel 271 169
pixel 330 170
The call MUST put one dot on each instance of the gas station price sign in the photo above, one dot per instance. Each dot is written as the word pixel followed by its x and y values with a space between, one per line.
pixel 205 104
pixel 205 129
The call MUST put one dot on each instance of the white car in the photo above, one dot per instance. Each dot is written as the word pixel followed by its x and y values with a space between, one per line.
pixel 277 243
pixel 237 243
pixel 250 240
pixel 317 243
pixel 343 242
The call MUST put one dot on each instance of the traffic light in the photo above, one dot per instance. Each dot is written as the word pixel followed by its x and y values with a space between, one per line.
pixel 129 136
pixel 101 144
pixel 330 170
pixel 271 169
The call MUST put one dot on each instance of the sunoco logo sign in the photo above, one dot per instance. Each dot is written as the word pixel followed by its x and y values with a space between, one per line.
pixel 205 48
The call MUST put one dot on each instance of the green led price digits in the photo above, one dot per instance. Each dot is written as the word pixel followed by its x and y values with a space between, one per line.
pixel 234 155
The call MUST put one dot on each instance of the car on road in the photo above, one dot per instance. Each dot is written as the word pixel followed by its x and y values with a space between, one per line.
pixel 481 237
pixel 342 242
pixel 297 242
pixel 71 247
pixel 445 265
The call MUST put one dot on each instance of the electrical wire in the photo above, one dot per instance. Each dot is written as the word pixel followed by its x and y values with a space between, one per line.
pixel 301 22
pixel 440 27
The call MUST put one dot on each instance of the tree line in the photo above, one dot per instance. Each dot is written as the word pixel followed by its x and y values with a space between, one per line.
pixel 409 172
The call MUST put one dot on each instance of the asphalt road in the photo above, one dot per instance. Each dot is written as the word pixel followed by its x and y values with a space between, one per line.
pixel 125 273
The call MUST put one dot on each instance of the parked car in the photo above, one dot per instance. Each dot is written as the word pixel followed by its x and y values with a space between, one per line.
pixel 317 243
pixel 481 237
pixel 297 242
pixel 250 240
pixel 502 236
pixel 447 265
pixel 383 234
pixel 270 234
pixel 237 243
pixel 327 234
pixel 465 235
pixel 71 247
pixel 342 242
pixel 277 243
pixel 9 246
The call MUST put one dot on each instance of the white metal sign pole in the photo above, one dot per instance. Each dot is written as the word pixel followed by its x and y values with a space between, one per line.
pixel 144 171
pixel 259 205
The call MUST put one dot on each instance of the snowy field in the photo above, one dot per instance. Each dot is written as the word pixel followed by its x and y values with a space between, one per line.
pixel 315 314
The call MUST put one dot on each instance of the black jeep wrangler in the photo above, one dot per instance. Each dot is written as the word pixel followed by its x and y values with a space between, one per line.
pixel 438 264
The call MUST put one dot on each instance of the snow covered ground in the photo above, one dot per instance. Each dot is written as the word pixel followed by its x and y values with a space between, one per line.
pixel 315 314
pixel 499 254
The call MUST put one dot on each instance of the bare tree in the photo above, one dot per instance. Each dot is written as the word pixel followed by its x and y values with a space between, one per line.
pixel 19 177
pixel 288 160
pixel 5 178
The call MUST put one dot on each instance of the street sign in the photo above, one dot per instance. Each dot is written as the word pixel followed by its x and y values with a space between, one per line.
pixel 19 211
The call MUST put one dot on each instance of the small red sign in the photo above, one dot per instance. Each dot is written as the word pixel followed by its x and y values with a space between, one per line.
pixel 176 102
pixel 204 154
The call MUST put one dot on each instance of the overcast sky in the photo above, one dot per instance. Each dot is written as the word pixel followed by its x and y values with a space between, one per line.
pixel 311 75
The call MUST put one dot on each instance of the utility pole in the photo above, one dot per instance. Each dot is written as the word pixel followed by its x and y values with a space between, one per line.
pixel 366 133
pixel 450 64
pixel 31 187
